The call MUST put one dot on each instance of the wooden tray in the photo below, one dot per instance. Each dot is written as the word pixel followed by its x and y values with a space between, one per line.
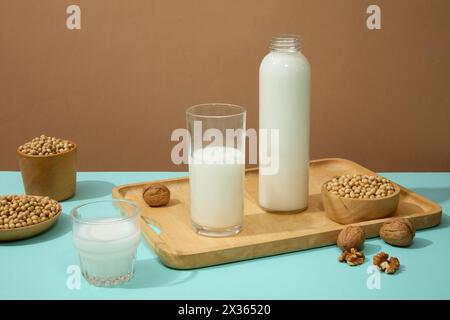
pixel 264 234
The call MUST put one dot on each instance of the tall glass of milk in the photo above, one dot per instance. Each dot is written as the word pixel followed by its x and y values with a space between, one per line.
pixel 216 168
pixel 106 235
pixel 284 107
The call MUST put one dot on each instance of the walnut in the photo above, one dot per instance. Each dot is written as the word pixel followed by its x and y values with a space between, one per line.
pixel 398 232
pixel 379 258
pixel 351 237
pixel 390 266
pixel 343 256
pixel 353 258
pixel 394 265
pixel 156 195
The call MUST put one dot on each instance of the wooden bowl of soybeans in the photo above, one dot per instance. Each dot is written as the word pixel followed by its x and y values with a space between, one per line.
pixel 48 167
pixel 24 216
pixel 355 198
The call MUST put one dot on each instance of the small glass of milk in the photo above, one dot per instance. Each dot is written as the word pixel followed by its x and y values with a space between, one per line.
pixel 106 235
pixel 216 168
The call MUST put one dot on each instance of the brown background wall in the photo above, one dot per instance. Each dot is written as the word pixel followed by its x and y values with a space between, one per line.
pixel 120 85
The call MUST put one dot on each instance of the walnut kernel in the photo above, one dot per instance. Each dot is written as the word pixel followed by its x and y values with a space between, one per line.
pixel 353 258
pixel 379 258
pixel 389 266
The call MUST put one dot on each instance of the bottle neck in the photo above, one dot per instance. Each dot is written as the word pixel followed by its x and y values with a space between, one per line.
pixel 285 43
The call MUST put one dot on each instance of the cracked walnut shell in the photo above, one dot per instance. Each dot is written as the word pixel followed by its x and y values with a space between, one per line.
pixel 351 237
pixel 156 195
pixel 398 232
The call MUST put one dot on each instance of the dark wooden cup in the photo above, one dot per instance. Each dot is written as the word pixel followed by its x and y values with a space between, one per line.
pixel 54 176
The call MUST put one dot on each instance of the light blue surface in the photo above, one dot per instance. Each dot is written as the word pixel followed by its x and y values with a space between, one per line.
pixel 36 268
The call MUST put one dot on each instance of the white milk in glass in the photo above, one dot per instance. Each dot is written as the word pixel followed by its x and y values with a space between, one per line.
pixel 284 105
pixel 217 187
pixel 107 249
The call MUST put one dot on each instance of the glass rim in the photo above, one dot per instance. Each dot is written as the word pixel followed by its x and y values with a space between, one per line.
pixel 78 220
pixel 242 110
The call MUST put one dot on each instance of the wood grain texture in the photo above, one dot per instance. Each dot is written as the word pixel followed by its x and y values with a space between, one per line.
pixel 264 233
pixel 53 176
